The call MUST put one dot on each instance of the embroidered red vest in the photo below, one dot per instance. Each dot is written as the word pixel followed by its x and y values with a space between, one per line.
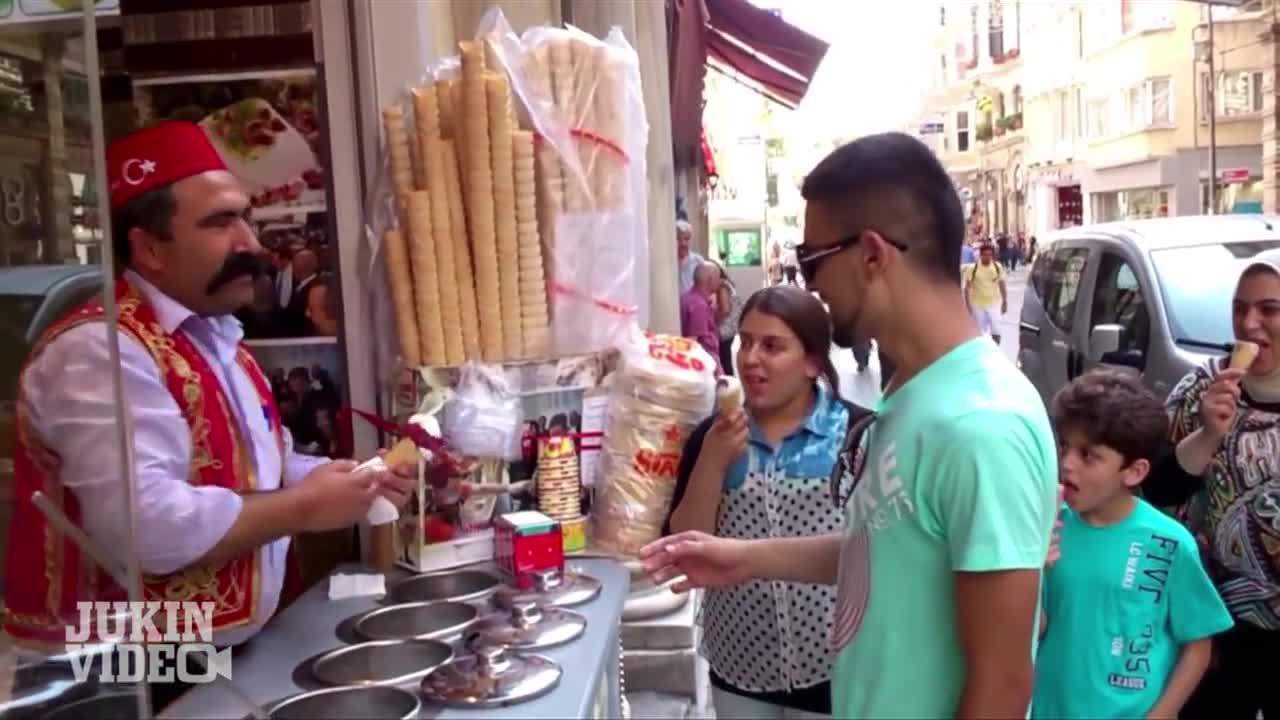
pixel 47 573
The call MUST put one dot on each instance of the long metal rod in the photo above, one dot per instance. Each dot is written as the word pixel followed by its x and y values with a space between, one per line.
pixel 93 72
pixel 1213 123
pixel 59 520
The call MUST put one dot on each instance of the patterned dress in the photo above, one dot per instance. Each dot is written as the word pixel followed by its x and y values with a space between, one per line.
pixel 1237 513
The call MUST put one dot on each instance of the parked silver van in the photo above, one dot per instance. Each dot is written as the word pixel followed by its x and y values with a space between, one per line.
pixel 1149 296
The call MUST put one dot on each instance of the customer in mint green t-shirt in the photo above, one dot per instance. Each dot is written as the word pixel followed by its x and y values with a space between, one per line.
pixel 1129 611
pixel 948 528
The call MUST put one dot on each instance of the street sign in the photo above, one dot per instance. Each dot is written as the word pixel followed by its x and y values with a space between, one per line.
pixel 1233 175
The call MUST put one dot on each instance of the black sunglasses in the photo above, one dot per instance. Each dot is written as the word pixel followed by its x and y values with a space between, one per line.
pixel 851 461
pixel 810 259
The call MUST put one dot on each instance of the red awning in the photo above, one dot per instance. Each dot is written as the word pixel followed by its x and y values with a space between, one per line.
pixel 777 58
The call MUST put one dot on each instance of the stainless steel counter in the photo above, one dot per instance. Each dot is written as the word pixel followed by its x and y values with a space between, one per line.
pixel 268 668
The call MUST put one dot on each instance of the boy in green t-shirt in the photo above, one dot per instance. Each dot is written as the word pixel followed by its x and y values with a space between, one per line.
pixel 1129 612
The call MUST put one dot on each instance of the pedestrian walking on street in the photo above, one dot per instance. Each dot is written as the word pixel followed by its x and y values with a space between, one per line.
pixel 762 472
pixel 698 310
pixel 1225 478
pixel 984 288
pixel 1127 570
pixel 949 490
pixel 728 309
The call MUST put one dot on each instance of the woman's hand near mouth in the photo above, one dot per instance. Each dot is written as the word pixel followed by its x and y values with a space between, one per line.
pixel 726 440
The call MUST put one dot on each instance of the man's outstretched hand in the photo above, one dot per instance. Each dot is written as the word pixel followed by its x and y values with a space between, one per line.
pixel 705 561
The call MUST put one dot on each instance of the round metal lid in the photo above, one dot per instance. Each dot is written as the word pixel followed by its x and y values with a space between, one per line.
pixel 421 620
pixel 492 677
pixel 381 662
pixel 551 587
pixel 530 627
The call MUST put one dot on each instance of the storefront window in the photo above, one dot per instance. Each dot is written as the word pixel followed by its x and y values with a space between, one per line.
pixel 1137 204
pixel 1234 198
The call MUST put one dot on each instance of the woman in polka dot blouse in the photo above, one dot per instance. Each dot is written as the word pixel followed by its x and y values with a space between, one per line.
pixel 763 472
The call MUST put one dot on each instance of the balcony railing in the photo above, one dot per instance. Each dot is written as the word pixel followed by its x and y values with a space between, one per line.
pixel 1010 123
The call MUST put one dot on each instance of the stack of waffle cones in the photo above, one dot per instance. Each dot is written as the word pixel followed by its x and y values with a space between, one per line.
pixel 558 487
pixel 466 265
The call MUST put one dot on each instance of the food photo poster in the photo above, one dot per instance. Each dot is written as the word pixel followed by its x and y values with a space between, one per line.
pixel 266 127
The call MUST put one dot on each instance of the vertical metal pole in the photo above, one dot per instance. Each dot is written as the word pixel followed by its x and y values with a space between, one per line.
pixel 1213 123
pixel 93 73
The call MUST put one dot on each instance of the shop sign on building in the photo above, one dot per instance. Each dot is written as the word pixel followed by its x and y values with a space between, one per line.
pixel 1234 175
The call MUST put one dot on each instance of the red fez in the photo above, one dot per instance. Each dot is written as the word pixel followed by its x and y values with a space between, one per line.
pixel 158 156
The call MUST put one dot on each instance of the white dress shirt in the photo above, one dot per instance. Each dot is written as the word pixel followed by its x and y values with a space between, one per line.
pixel 68 389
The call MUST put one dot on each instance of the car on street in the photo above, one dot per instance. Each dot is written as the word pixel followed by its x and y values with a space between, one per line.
pixel 1152 297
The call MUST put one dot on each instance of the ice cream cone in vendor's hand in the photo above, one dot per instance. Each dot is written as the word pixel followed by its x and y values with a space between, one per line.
pixel 1243 354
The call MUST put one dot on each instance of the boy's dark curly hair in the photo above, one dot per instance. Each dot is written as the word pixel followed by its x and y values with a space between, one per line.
pixel 1116 410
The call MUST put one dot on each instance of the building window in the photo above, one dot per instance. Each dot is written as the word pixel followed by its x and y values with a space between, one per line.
pixel 973 34
pixel 1238 93
pixel 995 29
pixel 1160 95
pixel 1063 111
pixel 1100 118
pixel 1136 204
pixel 1079 113
pixel 942 16
pixel 1079 23
pixel 962 131
pixel 1234 198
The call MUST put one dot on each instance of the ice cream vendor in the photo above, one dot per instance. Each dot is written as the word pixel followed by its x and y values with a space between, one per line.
pixel 219 488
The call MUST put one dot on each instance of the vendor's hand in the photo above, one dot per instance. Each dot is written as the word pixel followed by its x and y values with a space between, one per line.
pixel 1004 307
pixel 1219 402
pixel 725 440
pixel 397 484
pixel 705 561
pixel 333 496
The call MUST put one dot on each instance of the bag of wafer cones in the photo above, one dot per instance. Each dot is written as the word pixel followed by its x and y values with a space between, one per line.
pixel 581 98
pixel 663 388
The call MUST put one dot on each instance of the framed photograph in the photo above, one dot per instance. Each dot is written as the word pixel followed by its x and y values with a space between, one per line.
pixel 298 296
pixel 308 382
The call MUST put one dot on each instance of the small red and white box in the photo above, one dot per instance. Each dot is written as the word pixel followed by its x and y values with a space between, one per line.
pixel 526 543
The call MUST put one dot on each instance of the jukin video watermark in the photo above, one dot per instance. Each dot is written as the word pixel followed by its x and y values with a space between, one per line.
pixel 152 641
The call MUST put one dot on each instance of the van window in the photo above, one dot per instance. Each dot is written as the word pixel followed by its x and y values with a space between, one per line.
pixel 1118 300
pixel 1062 284
pixel 1039 272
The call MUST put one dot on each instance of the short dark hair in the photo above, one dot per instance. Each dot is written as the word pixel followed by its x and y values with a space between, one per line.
pixel 896 163
pixel 1116 410
pixel 804 315
pixel 152 211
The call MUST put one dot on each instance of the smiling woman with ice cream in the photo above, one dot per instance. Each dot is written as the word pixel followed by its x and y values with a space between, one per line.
pixel 1225 474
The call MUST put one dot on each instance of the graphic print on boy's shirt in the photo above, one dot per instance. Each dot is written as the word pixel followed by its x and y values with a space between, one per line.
pixel 1120 606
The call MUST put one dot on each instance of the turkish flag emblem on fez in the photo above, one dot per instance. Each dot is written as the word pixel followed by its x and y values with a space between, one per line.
pixel 157 156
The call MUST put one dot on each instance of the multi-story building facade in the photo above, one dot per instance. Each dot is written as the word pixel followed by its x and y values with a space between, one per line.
pixel 1113 99
pixel 973 115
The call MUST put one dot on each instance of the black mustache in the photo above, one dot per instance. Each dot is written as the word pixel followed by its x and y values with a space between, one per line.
pixel 236 265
